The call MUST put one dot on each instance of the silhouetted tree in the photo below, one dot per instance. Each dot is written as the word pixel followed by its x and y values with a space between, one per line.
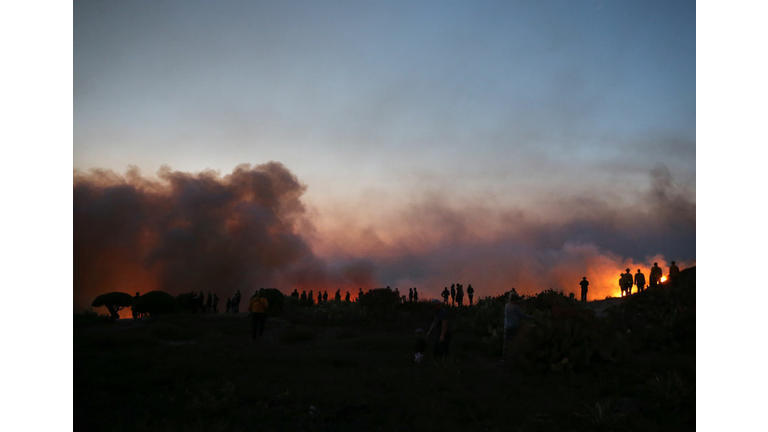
pixel 113 301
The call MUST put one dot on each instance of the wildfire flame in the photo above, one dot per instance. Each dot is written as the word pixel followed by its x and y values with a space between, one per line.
pixel 663 278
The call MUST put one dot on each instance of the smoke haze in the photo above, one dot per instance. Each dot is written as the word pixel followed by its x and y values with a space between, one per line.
pixel 182 232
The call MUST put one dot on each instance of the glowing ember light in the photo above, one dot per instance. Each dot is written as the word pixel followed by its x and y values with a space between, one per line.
pixel 663 278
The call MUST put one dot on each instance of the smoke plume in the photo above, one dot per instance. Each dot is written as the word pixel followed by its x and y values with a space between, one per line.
pixel 187 232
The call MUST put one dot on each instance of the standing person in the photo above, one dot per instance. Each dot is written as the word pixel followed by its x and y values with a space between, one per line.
pixel 397 293
pixel 134 313
pixel 311 297
pixel 229 305
pixel 674 274
pixel 460 294
pixel 215 303
pixel 257 309
pixel 621 284
pixel 655 275
pixel 628 281
pixel 453 293
pixel 470 293
pixel 440 323
pixel 410 294
pixel 446 293
pixel 201 302
pixel 337 296
pixel 639 281
pixel 584 288
pixel 295 293
pixel 303 296
pixel 236 302
pixel 325 296
pixel 346 297
pixel 360 294
pixel 512 315
pixel 415 295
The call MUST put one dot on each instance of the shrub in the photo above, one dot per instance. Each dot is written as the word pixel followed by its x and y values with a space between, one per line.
pixel 275 298
pixel 155 303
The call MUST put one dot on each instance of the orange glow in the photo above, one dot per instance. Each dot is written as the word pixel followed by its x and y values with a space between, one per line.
pixel 663 278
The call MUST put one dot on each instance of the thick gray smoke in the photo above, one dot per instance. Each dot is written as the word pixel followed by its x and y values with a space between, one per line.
pixel 195 232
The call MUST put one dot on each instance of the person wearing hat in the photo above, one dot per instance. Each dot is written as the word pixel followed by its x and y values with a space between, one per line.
pixel 584 284
pixel 639 280
pixel 628 281
pixel 443 340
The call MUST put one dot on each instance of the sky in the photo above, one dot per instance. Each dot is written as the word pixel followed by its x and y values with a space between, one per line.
pixel 43 101
pixel 500 144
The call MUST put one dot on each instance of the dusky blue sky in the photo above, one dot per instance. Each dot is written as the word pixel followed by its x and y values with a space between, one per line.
pixel 385 108
pixel 486 91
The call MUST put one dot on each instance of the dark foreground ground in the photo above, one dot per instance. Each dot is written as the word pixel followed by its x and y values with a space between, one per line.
pixel 203 373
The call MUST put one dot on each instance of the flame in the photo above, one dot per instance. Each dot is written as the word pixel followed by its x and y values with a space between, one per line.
pixel 663 278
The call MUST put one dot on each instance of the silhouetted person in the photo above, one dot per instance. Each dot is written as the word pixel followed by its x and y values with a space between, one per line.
pixel 628 281
pixel 621 284
pixel 453 293
pixel 346 297
pixel 584 288
pixel 446 294
pixel 639 281
pixel 215 303
pixel 337 297
pixel 410 294
pixel 209 303
pixel 397 293
pixel 133 308
pixel 443 332
pixel 470 293
pixel 415 295
pixel 295 293
pixel 304 296
pixel 325 296
pixel 311 297
pixel 460 294
pixel 258 313
pixel 402 299
pixel 236 302
pixel 674 275
pixel 229 305
pixel 655 275
pixel 512 316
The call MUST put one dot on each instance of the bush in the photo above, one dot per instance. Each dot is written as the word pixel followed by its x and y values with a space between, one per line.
pixel 155 303
pixel 275 298
pixel 380 303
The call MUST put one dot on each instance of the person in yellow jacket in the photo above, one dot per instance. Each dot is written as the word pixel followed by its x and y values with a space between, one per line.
pixel 258 313
pixel 674 274
pixel 655 275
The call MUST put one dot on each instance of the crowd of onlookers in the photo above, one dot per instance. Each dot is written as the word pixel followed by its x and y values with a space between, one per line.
pixel 627 280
